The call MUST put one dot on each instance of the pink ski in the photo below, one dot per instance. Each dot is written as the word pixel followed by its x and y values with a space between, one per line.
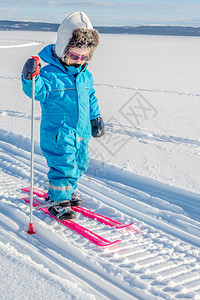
pixel 90 235
pixel 85 212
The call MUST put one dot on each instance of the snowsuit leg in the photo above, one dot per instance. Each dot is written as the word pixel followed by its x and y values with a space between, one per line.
pixel 66 162
pixel 82 157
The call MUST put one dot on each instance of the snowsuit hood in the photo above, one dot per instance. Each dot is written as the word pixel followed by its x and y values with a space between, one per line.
pixel 76 20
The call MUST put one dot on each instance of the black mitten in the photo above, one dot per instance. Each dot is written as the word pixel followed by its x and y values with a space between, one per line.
pixel 29 68
pixel 98 128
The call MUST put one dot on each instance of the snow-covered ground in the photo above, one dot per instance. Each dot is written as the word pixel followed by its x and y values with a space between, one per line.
pixel 145 169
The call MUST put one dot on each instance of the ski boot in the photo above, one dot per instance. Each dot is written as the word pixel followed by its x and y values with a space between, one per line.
pixel 75 201
pixel 62 211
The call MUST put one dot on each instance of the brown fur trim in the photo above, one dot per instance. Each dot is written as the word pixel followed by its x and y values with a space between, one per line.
pixel 83 38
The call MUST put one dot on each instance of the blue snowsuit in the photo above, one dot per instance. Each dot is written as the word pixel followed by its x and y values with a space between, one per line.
pixel 68 104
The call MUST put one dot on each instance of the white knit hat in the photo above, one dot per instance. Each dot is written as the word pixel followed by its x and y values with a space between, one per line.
pixel 66 28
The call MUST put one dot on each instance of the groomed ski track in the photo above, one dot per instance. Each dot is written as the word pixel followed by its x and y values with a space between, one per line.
pixel 160 259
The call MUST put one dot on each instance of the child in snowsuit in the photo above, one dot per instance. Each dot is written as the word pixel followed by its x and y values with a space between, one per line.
pixel 70 111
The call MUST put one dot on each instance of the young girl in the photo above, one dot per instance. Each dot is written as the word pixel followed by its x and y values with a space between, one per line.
pixel 70 111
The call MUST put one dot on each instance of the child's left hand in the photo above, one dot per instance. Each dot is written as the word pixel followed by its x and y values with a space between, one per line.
pixel 98 127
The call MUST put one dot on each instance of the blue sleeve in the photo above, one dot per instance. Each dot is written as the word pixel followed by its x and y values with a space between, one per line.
pixel 94 106
pixel 42 88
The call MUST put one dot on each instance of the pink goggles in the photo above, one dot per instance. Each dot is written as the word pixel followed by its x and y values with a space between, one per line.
pixel 74 56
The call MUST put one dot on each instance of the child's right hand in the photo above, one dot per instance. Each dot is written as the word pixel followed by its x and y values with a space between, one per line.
pixel 30 68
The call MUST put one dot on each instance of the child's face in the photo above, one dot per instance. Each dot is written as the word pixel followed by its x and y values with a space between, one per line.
pixel 73 60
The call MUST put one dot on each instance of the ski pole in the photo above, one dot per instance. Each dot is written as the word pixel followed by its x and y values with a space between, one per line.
pixel 30 227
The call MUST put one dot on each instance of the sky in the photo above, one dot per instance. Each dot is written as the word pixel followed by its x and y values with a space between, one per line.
pixel 108 13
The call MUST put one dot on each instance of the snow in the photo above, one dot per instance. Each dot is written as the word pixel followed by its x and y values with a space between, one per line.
pixel 144 170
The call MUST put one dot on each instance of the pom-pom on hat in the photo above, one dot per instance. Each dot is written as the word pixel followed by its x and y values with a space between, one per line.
pixel 76 31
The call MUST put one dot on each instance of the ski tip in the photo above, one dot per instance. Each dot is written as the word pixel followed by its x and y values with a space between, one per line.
pixel 109 243
pixel 126 226
pixel 25 189
pixel 26 199
pixel 37 192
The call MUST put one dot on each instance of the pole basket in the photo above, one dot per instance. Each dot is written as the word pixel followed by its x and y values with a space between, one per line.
pixel 30 229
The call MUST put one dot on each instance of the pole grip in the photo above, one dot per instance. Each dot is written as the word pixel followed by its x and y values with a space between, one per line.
pixel 37 71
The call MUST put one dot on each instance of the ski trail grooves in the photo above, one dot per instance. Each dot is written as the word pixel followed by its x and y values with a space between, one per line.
pixel 60 250
pixel 123 204
pixel 147 90
pixel 155 264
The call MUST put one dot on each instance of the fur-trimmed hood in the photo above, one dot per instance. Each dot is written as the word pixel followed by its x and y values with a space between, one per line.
pixel 76 30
